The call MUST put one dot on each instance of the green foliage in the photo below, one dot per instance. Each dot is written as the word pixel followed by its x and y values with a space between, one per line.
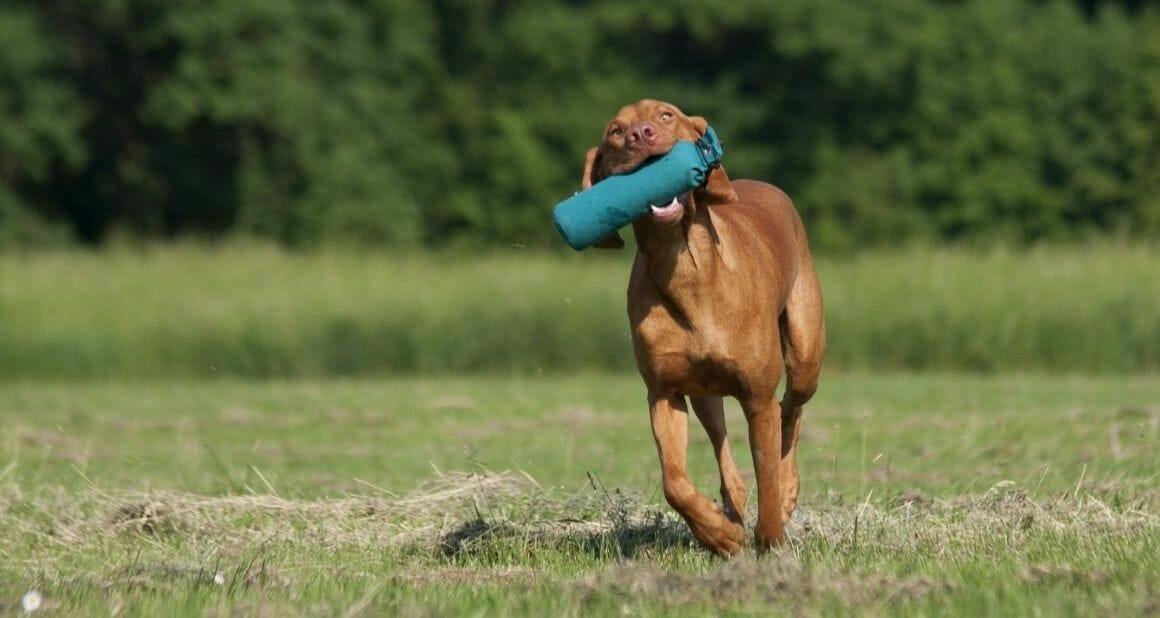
pixel 19 228
pixel 39 111
pixel 395 123
pixel 261 312
pixel 316 96
pixel 40 118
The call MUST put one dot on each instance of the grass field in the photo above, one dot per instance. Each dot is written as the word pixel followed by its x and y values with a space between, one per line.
pixel 923 494
pixel 192 311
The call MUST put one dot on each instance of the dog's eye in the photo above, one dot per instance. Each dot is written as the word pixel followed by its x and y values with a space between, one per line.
pixel 617 131
pixel 666 116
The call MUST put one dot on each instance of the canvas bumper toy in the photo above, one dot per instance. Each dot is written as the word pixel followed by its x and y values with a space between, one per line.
pixel 616 201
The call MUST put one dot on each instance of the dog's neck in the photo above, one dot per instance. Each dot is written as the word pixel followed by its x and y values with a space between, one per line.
pixel 679 259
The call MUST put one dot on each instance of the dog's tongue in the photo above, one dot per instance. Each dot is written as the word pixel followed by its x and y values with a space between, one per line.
pixel 667 213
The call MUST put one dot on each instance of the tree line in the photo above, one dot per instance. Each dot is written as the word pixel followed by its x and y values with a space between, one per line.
pixel 402 123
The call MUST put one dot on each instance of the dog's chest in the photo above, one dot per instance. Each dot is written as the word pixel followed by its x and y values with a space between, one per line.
pixel 693 354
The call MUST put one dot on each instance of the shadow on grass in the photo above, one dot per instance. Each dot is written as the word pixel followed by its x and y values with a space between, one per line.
pixel 628 537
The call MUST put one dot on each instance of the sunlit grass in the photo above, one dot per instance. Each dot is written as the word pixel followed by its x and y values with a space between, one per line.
pixel 922 494
pixel 257 311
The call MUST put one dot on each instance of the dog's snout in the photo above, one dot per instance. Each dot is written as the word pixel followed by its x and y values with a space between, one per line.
pixel 642 132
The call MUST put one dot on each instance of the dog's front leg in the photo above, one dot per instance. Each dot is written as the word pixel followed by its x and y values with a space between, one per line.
pixel 764 416
pixel 711 411
pixel 670 425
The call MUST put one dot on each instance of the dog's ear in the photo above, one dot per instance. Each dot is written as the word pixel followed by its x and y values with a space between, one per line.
pixel 718 189
pixel 593 169
pixel 612 241
pixel 594 173
pixel 700 124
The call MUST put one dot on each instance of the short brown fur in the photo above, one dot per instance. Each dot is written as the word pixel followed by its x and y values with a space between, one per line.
pixel 721 303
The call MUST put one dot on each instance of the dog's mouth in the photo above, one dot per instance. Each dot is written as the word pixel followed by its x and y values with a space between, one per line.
pixel 652 148
pixel 633 157
pixel 669 213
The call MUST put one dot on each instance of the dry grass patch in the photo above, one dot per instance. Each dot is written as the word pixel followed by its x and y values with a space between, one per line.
pixel 503 534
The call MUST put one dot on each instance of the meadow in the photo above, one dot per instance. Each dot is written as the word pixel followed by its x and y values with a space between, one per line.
pixel 242 430
pixel 256 311
pixel 923 494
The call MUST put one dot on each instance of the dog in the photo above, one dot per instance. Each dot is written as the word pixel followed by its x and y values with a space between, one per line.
pixel 723 298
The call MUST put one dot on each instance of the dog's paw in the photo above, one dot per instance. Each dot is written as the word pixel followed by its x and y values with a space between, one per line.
pixel 767 540
pixel 720 536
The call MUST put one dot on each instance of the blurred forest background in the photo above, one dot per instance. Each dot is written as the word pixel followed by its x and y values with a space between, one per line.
pixel 398 123
pixel 289 188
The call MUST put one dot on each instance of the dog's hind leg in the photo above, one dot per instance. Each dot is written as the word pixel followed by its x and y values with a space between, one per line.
pixel 803 338
pixel 764 418
pixel 670 424
pixel 711 411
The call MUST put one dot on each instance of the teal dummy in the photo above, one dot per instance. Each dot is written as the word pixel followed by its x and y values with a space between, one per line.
pixel 618 200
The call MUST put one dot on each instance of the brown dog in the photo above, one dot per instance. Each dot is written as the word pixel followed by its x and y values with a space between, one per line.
pixel 723 296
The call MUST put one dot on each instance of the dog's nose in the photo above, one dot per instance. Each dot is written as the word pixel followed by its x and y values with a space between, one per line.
pixel 643 132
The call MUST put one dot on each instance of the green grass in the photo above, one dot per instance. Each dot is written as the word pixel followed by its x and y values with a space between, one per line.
pixel 922 494
pixel 256 311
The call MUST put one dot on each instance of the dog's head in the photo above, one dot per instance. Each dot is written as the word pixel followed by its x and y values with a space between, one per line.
pixel 641 131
